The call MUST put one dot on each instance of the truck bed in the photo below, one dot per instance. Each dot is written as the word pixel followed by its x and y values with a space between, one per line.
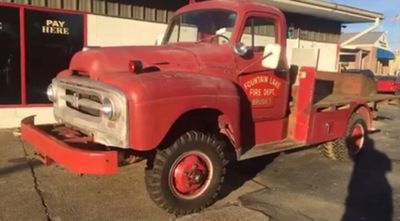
pixel 337 89
pixel 338 100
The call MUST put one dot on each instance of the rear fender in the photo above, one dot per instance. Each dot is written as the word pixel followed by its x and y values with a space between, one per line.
pixel 366 114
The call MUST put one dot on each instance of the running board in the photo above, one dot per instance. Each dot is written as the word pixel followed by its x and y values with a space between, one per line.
pixel 264 149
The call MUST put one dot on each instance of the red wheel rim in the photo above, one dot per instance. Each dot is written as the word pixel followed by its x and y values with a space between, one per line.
pixel 357 137
pixel 190 174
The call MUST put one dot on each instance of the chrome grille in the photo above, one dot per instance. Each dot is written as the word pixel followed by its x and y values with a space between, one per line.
pixel 85 103
pixel 79 103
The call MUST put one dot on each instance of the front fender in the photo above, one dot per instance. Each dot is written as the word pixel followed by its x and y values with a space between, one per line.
pixel 162 98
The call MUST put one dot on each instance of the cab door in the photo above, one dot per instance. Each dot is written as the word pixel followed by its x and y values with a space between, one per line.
pixel 266 89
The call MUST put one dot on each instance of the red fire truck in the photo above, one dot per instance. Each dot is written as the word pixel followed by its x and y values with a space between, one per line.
pixel 218 84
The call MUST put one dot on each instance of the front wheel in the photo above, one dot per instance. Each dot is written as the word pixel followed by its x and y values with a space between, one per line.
pixel 187 176
pixel 349 146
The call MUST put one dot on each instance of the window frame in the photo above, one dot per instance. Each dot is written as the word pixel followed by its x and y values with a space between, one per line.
pixel 268 16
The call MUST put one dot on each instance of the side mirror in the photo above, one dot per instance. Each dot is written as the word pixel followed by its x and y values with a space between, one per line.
pixel 272 54
pixel 240 49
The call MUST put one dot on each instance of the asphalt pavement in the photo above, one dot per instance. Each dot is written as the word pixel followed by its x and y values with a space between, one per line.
pixel 298 185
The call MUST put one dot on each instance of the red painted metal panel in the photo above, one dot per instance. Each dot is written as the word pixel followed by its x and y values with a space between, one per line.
pixel 332 124
pixel 328 125
pixel 267 93
pixel 269 131
pixel 265 90
pixel 302 109
pixel 74 159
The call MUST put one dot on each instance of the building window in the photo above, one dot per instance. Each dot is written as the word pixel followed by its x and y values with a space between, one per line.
pixel 113 9
pixel 347 58
pixel 126 10
pixel 150 14
pixel 99 7
pixel 38 2
pixel 70 5
pixel 51 39
pixel 84 5
pixel 54 4
pixel 319 36
pixel 10 78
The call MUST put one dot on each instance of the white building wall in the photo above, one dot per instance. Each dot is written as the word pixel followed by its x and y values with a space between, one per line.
pixel 11 117
pixel 109 31
pixel 290 44
pixel 328 54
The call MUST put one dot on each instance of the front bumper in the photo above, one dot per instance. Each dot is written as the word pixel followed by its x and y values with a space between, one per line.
pixel 83 159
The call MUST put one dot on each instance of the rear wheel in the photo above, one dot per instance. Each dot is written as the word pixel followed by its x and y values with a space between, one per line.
pixel 349 146
pixel 187 176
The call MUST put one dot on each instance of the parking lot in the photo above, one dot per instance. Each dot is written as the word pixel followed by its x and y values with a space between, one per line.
pixel 300 185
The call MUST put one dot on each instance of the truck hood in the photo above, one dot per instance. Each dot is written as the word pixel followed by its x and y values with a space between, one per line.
pixel 100 63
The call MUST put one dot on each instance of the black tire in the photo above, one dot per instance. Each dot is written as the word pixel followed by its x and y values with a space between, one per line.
pixel 345 149
pixel 162 182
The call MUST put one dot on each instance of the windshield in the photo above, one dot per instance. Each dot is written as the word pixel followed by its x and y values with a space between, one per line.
pixel 213 26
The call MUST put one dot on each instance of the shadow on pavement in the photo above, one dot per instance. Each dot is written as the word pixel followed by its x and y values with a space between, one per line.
pixel 240 172
pixel 369 192
pixel 22 164
pixel 381 117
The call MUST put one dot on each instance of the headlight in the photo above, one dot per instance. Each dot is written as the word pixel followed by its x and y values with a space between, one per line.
pixel 108 109
pixel 51 94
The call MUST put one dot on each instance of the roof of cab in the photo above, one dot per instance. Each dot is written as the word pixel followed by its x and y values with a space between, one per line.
pixel 316 8
pixel 237 5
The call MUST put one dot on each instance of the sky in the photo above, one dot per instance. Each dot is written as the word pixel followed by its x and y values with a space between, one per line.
pixel 389 8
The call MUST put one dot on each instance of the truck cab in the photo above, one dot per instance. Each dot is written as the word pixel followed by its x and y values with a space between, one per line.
pixel 218 84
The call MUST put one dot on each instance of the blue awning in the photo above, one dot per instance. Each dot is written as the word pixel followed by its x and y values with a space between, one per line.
pixel 384 54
